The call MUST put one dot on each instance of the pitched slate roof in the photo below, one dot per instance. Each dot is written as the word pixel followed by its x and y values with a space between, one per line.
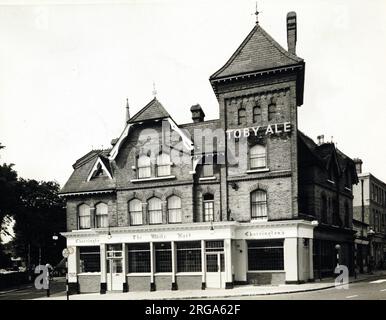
pixel 153 110
pixel 327 151
pixel 82 167
pixel 259 51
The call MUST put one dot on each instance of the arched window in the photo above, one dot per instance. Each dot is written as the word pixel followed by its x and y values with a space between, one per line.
pixel 84 216
pixel 135 212
pixel 256 114
pixel 155 211
pixel 101 215
pixel 144 166
pixel 163 165
pixel 174 209
pixel 323 208
pixel 271 111
pixel 241 116
pixel 257 157
pixel 259 205
pixel 208 207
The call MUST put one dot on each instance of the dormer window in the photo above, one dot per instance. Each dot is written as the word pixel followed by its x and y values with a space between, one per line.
pixel 144 166
pixel 163 165
pixel 100 169
pixel 98 172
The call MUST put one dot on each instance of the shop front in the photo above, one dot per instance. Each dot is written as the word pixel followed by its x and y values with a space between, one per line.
pixel 186 256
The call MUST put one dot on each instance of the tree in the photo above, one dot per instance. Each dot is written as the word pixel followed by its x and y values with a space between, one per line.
pixel 8 182
pixel 39 214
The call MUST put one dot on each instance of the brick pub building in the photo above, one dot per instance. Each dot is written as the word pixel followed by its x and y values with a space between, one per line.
pixel 246 198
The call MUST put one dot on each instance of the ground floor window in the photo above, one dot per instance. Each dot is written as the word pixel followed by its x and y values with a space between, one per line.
pixel 89 259
pixel 139 257
pixel 214 246
pixel 265 255
pixel 189 256
pixel 163 257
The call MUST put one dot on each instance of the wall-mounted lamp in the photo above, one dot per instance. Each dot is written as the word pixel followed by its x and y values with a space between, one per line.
pixel 235 186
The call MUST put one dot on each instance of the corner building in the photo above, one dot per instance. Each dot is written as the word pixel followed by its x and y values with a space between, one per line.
pixel 208 204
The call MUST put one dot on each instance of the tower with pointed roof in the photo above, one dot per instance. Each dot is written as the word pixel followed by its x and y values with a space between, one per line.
pixel 260 85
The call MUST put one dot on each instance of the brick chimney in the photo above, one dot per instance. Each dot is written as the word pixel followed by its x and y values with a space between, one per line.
pixel 291 32
pixel 320 139
pixel 197 114
pixel 358 165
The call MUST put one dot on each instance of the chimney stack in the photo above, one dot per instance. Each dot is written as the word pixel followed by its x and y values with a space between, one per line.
pixel 320 139
pixel 291 32
pixel 197 114
pixel 358 165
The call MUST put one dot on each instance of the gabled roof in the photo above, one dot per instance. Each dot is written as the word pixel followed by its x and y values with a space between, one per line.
pixel 104 163
pixel 153 110
pixel 326 153
pixel 259 51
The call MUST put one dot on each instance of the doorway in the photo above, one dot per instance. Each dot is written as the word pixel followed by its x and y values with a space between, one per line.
pixel 215 264
pixel 115 275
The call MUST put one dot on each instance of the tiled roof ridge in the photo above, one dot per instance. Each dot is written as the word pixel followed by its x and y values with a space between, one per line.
pixel 89 156
pixel 198 123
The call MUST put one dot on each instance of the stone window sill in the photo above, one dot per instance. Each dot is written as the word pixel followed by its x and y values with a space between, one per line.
pixel 89 273
pixel 258 170
pixel 152 179
pixel 266 271
pixel 259 220
pixel 207 178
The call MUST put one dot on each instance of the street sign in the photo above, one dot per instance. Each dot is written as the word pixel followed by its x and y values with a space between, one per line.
pixel 65 253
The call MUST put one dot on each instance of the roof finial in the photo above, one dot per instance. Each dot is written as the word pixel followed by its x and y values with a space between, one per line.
pixel 154 91
pixel 257 14
pixel 127 110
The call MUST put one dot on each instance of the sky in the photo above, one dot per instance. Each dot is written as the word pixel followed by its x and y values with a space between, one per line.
pixel 67 67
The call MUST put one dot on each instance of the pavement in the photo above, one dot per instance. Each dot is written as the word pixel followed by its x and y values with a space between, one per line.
pixel 238 292
pixel 28 291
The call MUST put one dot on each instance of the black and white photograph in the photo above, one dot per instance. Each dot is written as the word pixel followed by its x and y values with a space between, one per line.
pixel 203 151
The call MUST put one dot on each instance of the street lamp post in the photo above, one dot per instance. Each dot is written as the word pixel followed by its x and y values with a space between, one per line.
pixel 370 235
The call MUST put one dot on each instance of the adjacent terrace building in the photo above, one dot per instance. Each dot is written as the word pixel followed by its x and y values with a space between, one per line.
pixel 370 210
pixel 241 199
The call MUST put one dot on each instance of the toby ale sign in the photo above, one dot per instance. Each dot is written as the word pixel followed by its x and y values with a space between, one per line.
pixel 277 128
